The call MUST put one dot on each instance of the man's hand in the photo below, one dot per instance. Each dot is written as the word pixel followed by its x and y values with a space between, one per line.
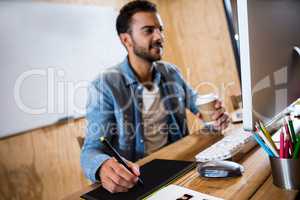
pixel 116 178
pixel 220 116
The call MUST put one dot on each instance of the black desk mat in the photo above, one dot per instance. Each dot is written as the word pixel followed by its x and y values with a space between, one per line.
pixel 155 174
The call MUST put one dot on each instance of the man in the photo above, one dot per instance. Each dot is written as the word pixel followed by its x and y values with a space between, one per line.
pixel 139 105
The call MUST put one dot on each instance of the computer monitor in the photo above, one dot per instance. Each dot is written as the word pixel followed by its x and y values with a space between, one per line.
pixel 269 34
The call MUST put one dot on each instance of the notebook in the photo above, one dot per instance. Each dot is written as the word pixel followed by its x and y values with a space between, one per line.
pixel 155 174
pixel 175 192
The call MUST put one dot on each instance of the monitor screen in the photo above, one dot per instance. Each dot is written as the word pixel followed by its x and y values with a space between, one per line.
pixel 269 34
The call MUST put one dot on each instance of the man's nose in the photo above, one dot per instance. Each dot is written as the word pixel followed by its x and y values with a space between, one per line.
pixel 159 35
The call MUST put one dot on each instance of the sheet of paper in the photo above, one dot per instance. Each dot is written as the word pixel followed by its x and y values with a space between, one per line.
pixel 175 192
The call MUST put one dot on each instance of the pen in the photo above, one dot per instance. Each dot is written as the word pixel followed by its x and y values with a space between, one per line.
pixel 118 157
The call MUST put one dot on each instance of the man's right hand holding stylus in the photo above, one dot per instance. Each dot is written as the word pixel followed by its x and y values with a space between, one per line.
pixel 115 177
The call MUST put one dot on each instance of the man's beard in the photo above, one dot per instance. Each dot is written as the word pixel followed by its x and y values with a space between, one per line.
pixel 145 54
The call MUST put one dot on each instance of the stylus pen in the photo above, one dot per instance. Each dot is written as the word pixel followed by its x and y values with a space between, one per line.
pixel 118 157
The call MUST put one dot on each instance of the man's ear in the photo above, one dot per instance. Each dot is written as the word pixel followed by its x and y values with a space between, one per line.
pixel 126 40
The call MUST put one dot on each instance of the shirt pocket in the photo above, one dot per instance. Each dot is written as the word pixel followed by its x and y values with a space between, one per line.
pixel 180 98
pixel 126 130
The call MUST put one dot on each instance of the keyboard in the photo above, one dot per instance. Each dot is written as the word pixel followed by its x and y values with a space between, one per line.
pixel 234 142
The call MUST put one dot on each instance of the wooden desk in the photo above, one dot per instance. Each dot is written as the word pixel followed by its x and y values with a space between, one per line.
pixel 269 191
pixel 254 184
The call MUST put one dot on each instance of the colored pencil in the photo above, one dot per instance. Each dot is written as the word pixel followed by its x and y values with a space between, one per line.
pixel 267 142
pixel 262 144
pixel 292 130
pixel 281 149
pixel 297 148
pixel 288 134
pixel 267 134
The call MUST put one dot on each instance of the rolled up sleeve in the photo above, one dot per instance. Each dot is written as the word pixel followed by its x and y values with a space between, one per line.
pixel 100 119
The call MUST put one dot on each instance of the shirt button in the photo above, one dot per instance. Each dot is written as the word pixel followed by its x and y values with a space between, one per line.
pixel 142 141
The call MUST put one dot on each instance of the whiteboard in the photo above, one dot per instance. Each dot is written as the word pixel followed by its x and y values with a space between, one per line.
pixel 48 55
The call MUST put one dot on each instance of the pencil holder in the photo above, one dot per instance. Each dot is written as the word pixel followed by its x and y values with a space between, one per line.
pixel 286 172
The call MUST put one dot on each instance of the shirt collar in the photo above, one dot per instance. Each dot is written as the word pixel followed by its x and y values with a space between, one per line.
pixel 130 77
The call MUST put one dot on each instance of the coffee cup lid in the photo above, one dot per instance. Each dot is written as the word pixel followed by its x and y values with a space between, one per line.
pixel 203 99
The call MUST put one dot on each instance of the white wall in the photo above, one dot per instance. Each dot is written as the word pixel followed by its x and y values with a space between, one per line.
pixel 48 53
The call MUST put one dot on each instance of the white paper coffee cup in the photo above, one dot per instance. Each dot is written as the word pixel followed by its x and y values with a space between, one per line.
pixel 206 105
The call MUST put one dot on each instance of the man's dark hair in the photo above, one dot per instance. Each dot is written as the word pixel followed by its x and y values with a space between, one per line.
pixel 128 10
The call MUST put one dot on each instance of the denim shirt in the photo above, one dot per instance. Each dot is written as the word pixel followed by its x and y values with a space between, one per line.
pixel 114 110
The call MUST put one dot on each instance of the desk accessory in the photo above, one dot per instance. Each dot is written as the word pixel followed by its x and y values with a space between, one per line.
pixel 156 174
pixel 220 169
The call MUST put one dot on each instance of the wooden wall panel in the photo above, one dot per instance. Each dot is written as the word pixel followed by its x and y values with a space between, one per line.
pixel 44 163
pixel 198 43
